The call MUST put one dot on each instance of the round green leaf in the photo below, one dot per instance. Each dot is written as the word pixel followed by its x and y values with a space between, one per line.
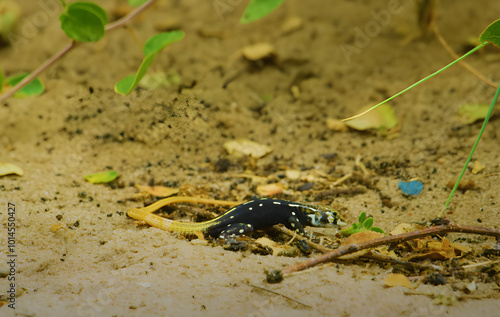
pixel 84 21
pixel 491 34
pixel 158 41
pixel 33 88
pixel 258 9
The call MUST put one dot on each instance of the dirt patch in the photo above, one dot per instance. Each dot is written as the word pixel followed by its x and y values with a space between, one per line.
pixel 174 135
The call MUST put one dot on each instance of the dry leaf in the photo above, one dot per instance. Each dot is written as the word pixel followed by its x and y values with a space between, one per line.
pixel 269 189
pixel 357 238
pixel 477 167
pixel 277 249
pixel 397 279
pixel 157 191
pixel 292 24
pixel 7 168
pixel 405 228
pixel 258 51
pixel 336 125
pixel 245 147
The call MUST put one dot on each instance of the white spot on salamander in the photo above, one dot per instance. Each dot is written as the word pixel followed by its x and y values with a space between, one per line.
pixel 276 203
pixel 293 205
pixel 260 205
pixel 231 217
pixel 241 231
pixel 250 208
pixel 293 213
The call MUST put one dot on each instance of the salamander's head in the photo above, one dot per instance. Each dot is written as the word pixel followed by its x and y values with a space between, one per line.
pixel 321 216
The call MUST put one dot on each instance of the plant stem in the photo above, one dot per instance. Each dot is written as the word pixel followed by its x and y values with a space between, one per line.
pixel 462 63
pixel 420 81
pixel 112 26
pixel 488 115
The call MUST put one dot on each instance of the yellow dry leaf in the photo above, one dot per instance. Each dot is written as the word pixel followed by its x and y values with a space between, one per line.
pixel 477 167
pixel 245 147
pixel 336 125
pixel 397 279
pixel 7 168
pixel 269 189
pixel 405 228
pixel 157 191
pixel 258 51
pixel 271 244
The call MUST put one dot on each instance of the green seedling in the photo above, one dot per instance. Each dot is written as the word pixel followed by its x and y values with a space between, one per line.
pixel 490 35
pixel 364 224
pixel 101 177
pixel 152 47
pixel 257 9
pixel 84 21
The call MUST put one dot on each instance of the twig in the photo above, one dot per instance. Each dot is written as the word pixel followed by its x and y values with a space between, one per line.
pixel 348 249
pixel 284 296
pixel 464 64
pixel 112 26
pixel 371 256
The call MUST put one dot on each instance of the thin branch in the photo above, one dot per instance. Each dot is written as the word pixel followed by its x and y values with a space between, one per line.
pixel 464 64
pixel 112 26
pixel 126 19
pixel 348 249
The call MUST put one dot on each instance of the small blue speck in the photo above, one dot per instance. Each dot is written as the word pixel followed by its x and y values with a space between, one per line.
pixel 411 188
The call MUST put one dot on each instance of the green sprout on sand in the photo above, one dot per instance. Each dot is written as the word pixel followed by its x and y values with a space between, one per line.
pixel 364 224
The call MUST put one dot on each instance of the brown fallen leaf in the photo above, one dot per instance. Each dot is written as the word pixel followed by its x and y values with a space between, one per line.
pixel 397 279
pixel 360 237
pixel 157 191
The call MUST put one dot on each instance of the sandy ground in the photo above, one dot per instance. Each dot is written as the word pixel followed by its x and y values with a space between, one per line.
pixel 107 266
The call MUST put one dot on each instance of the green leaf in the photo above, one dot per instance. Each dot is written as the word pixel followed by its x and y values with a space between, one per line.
pixel 377 229
pixel 154 45
pixel 101 177
pixel 258 9
pixel 84 21
pixel 362 217
pixel 136 3
pixel 33 88
pixel 491 34
pixel 368 223
pixel 128 84
pixel 470 113
pixel 159 41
